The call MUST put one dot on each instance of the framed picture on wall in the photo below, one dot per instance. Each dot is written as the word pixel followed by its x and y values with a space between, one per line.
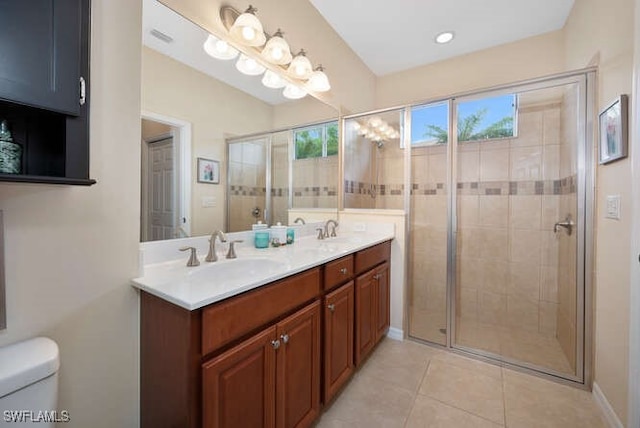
pixel 208 171
pixel 613 130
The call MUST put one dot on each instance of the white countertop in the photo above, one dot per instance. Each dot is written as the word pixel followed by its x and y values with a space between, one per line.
pixel 195 287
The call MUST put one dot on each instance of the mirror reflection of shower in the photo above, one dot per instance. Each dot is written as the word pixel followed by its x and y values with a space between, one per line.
pixel 374 161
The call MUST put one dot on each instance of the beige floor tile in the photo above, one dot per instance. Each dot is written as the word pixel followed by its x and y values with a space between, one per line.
pixel 534 402
pixel 430 413
pixel 402 364
pixel 466 386
pixel 370 402
pixel 460 361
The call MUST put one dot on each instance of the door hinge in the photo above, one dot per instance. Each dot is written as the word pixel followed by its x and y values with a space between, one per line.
pixel 83 91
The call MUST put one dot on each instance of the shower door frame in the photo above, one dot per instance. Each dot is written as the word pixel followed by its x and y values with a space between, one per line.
pixel 585 81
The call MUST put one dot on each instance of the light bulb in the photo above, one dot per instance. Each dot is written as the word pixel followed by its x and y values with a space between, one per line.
pixel 318 81
pixel 445 37
pixel 272 80
pixel 249 66
pixel 294 92
pixel 219 49
pixel 300 67
pixel 356 125
pixel 299 70
pixel 248 33
pixel 277 54
pixel 375 121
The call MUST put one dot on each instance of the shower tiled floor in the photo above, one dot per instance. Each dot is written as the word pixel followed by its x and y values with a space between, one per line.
pixel 516 344
pixel 407 384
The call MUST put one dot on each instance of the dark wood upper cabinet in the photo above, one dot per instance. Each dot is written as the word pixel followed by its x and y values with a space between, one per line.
pixel 40 47
pixel 44 87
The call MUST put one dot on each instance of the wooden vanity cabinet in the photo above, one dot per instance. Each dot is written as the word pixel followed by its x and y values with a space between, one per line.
pixel 263 358
pixel 338 339
pixel 372 298
pixel 270 380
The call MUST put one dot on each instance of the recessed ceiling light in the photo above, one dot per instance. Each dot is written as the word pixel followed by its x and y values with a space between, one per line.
pixel 444 37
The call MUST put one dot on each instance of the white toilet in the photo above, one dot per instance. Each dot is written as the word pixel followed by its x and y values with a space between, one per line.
pixel 29 384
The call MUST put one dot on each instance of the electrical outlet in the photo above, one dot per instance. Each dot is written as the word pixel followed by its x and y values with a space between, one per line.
pixel 359 227
pixel 613 207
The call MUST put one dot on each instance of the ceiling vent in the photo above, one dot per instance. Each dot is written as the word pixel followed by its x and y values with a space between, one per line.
pixel 160 35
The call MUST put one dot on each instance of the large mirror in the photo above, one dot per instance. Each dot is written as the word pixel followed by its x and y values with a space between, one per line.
pixel 216 144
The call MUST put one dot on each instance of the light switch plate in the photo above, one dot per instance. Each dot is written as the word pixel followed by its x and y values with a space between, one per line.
pixel 613 207
pixel 208 201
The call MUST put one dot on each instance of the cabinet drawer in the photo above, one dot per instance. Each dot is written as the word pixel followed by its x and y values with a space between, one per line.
pixel 227 321
pixel 370 257
pixel 338 272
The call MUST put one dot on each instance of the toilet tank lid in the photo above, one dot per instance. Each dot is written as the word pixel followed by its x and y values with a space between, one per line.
pixel 25 363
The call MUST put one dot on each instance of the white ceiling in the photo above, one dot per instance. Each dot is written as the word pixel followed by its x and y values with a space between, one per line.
pixel 396 35
pixel 186 47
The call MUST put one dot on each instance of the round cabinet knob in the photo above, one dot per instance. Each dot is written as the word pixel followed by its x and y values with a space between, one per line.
pixel 331 307
pixel 344 271
pixel 275 344
pixel 284 338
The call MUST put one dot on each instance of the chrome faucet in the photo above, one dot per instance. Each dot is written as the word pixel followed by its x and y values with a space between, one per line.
pixel 212 256
pixel 333 228
pixel 231 254
pixel 299 219
pixel 193 256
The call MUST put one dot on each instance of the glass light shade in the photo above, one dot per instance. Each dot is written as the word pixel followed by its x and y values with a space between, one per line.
pixel 249 66
pixel 247 29
pixel 272 80
pixel 356 125
pixel 294 92
pixel 300 67
pixel 318 81
pixel 383 127
pixel 375 121
pixel 219 49
pixel 277 50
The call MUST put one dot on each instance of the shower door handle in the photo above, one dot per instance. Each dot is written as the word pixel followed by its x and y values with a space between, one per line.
pixel 567 224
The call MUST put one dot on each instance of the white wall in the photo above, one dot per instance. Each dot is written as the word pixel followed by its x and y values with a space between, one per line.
pixel 70 251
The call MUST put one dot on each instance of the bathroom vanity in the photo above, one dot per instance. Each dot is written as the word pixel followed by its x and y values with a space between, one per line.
pixel 267 350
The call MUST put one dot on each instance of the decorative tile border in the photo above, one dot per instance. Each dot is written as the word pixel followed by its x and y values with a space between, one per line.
pixel 315 191
pixel 247 191
pixel 564 186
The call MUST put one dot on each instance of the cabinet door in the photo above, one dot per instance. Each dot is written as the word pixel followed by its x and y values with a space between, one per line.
pixel 338 339
pixel 238 386
pixel 298 369
pixel 382 315
pixel 40 51
pixel 366 308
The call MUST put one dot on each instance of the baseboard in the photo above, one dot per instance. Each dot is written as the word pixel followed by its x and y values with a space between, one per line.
pixel 609 415
pixel 395 334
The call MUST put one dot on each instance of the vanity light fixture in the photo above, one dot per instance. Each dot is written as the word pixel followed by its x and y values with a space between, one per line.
pixel 300 67
pixel 277 50
pixel 272 80
pixel 444 37
pixel 249 66
pixel 318 81
pixel 219 49
pixel 247 28
pixel 293 92
pixel 280 68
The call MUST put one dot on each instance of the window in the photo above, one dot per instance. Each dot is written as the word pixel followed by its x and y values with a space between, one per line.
pixel 481 119
pixel 487 118
pixel 430 125
pixel 316 141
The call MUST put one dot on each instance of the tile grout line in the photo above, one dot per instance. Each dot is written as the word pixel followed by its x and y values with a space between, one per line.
pixel 417 392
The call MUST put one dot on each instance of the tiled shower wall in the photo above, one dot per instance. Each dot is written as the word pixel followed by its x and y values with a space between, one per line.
pixel 567 283
pixel 247 184
pixel 315 182
pixel 507 250
pixel 509 197
pixel 280 177
pixel 375 175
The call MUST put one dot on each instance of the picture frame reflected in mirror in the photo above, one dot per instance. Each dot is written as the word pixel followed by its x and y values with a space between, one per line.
pixel 208 171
